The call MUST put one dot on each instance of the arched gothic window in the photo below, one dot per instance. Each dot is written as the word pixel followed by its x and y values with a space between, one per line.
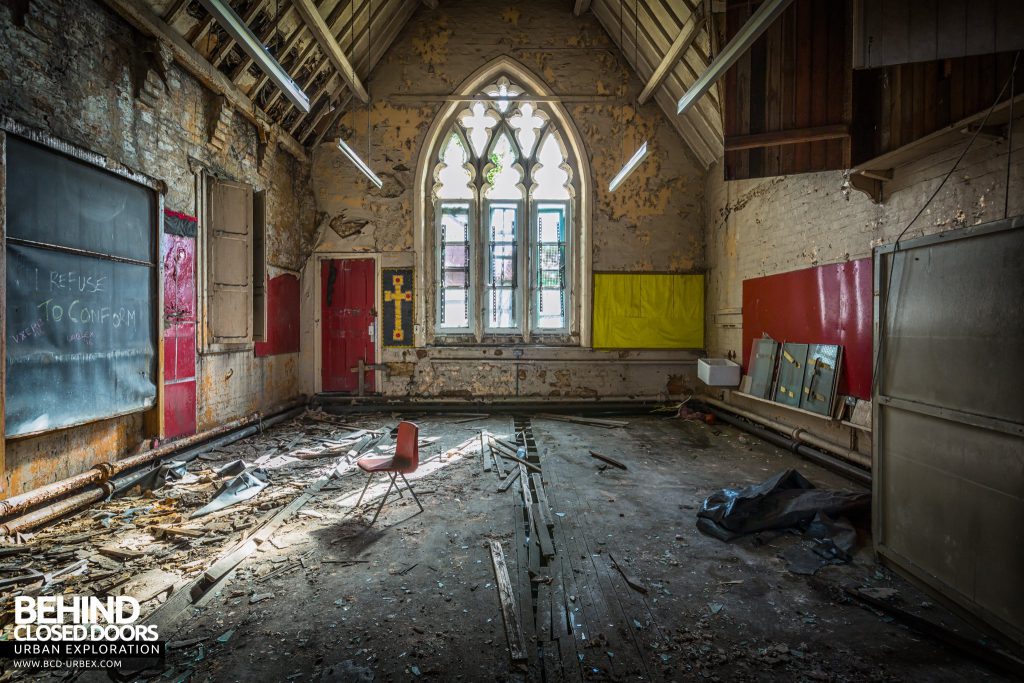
pixel 504 204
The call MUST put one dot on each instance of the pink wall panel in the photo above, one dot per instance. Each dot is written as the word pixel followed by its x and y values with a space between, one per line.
pixel 827 304
pixel 179 278
pixel 282 317
pixel 179 320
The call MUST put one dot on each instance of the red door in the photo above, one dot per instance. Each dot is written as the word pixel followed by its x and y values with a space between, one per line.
pixel 347 319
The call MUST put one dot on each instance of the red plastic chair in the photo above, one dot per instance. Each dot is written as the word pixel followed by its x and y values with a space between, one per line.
pixel 405 461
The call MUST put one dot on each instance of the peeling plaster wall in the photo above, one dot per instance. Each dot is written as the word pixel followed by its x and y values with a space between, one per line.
pixel 775 225
pixel 654 222
pixel 74 70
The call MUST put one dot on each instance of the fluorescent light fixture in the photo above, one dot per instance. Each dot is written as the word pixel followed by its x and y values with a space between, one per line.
pixel 757 24
pixel 633 162
pixel 359 163
pixel 237 29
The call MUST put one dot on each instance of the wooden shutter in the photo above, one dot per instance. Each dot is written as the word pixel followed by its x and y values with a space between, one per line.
pixel 259 267
pixel 229 241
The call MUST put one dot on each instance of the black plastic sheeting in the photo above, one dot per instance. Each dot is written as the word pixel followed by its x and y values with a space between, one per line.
pixel 788 501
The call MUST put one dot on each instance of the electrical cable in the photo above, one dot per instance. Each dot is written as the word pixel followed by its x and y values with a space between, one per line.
pixel 1009 138
pixel 369 49
pixel 883 308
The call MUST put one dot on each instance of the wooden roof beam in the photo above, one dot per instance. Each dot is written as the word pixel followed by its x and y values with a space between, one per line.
pixel 142 18
pixel 691 29
pixel 581 7
pixel 758 23
pixel 316 25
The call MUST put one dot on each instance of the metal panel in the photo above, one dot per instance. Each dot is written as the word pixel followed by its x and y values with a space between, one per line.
pixel 820 374
pixel 763 357
pixel 791 374
pixel 949 416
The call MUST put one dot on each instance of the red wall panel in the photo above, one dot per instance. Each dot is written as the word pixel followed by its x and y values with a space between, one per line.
pixel 827 304
pixel 282 317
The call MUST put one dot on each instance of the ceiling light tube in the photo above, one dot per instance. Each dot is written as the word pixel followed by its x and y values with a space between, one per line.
pixel 237 29
pixel 633 162
pixel 359 163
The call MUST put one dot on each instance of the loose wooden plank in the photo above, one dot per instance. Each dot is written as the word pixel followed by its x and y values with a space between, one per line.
pixel 513 629
pixel 547 547
pixel 633 582
pixel 609 460
pixel 593 421
pixel 512 476
pixel 120 553
pixel 542 501
pixel 519 459
pixel 178 531
pixel 499 464
pixel 485 454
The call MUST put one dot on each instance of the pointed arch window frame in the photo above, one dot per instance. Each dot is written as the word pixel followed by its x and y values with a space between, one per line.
pixel 575 329
pixel 526 292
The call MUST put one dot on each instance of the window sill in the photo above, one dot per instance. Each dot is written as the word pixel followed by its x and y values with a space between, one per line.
pixel 526 353
pixel 215 349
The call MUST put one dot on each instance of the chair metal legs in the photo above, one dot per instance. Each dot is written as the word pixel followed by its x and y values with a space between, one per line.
pixel 392 485
pixel 409 486
pixel 368 480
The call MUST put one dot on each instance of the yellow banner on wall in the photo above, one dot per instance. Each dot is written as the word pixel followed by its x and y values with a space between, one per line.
pixel 648 311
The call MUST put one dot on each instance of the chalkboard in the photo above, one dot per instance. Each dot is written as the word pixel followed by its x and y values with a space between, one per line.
pixel 81 296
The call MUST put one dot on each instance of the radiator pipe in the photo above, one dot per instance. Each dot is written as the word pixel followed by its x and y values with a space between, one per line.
pixel 814 455
pixel 59 509
pixel 101 472
pixel 795 433
pixel 235 430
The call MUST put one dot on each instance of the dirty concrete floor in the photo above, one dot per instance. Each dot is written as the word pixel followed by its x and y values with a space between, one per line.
pixel 414 596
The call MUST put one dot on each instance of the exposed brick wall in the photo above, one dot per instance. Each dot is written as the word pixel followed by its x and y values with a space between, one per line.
pixel 774 225
pixel 75 70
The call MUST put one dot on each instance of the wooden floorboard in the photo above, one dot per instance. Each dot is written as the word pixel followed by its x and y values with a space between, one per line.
pixel 606 634
pixel 626 604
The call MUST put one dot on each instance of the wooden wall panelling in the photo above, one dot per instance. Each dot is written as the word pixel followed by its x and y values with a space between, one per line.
pixel 788 100
pixel 897 105
pixel 890 32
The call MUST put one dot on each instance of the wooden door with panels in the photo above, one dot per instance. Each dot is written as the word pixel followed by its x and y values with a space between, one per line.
pixel 348 324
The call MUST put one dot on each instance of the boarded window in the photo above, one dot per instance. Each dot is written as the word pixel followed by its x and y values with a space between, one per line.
pixel 229 241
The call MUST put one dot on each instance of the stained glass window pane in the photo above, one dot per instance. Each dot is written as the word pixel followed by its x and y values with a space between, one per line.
pixel 551 313
pixel 454 266
pixel 549 256
pixel 500 308
pixel 455 308
pixel 502 265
